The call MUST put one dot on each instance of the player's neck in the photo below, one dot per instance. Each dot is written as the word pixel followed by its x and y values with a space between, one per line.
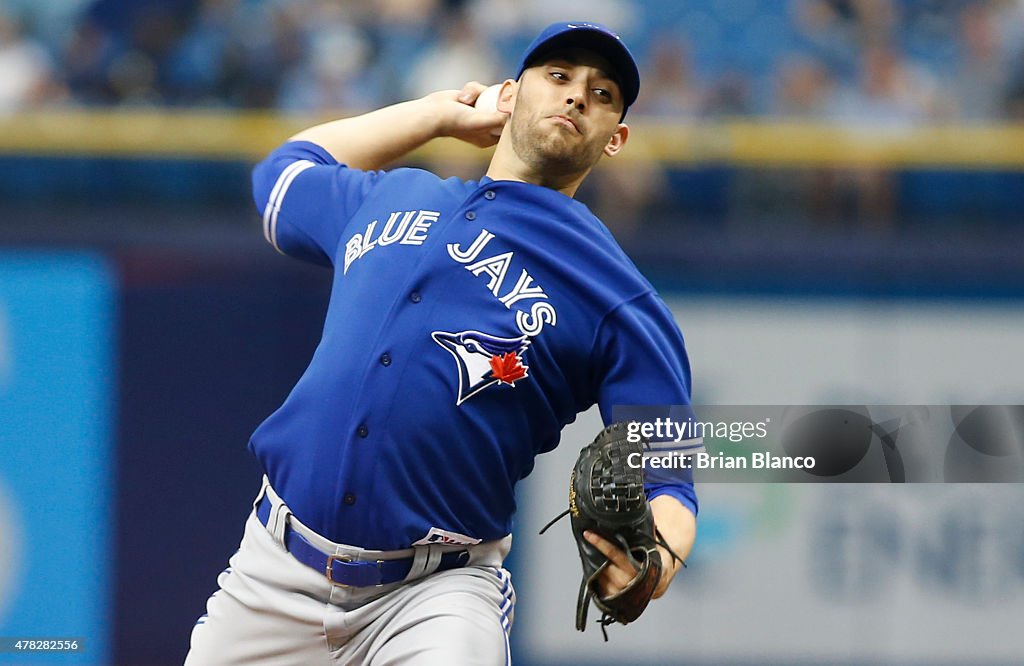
pixel 503 168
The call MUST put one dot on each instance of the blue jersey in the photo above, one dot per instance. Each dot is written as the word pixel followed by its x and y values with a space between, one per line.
pixel 469 322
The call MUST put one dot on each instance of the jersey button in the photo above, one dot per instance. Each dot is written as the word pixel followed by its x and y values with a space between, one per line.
pixel 349 499
pixel 415 297
pixel 363 431
pixel 470 215
pixel 489 195
pixel 385 359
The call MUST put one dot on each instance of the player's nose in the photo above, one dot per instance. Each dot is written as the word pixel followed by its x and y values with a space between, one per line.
pixel 577 98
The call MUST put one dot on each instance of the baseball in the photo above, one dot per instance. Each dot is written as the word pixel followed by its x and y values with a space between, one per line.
pixel 488 99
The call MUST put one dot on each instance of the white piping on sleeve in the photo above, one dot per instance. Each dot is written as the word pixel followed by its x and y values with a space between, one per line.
pixel 270 213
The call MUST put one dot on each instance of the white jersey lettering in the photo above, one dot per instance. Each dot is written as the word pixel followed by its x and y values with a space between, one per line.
pixel 418 229
pixel 522 290
pixel 411 230
pixel 390 234
pixel 533 323
pixel 466 256
pixel 495 266
pixel 352 250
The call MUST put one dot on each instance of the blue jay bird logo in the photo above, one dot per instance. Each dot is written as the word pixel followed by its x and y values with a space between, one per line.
pixel 484 360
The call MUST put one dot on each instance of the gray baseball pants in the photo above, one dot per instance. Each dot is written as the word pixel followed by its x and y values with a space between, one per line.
pixel 273 610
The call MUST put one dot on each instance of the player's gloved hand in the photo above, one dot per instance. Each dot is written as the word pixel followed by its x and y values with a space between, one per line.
pixel 620 572
pixel 457 118
pixel 625 559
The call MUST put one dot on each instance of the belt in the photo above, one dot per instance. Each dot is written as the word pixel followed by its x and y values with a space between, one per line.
pixel 346 570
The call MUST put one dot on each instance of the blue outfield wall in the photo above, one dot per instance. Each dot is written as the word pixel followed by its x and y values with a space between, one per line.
pixel 58 378
pixel 209 348
pixel 129 385
pixel 706 193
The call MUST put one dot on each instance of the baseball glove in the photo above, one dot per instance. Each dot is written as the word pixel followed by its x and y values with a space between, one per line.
pixel 606 496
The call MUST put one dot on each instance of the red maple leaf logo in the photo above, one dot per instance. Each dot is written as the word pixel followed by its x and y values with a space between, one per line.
pixel 508 368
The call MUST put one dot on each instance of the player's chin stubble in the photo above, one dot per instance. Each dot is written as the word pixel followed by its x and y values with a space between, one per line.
pixel 546 148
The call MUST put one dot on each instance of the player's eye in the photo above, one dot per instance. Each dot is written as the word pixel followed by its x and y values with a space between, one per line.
pixel 604 94
pixel 561 76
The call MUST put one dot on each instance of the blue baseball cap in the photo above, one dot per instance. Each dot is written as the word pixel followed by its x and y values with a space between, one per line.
pixel 594 37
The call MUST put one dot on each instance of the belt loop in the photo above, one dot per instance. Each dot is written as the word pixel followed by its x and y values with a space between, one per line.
pixel 420 562
pixel 433 559
pixel 277 521
pixel 279 518
pixel 262 492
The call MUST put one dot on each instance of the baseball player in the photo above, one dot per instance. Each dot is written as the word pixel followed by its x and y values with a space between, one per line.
pixel 469 321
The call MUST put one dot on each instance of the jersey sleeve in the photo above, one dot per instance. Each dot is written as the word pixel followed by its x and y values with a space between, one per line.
pixel 643 363
pixel 306 198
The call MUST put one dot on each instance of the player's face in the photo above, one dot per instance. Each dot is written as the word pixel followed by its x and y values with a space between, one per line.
pixel 567 112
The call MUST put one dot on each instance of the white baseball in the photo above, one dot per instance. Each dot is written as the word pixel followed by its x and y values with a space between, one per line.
pixel 488 99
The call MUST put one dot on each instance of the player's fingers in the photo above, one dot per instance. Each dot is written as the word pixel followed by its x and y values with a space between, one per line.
pixel 485 120
pixel 613 580
pixel 620 577
pixel 480 128
pixel 611 551
pixel 471 91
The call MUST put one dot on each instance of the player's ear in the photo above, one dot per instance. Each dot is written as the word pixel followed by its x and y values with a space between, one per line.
pixel 507 96
pixel 617 141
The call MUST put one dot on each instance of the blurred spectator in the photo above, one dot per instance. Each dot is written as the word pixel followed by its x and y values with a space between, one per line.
pixel 400 31
pixel 1014 99
pixel 669 86
pixel 460 55
pixel 115 57
pixel 405 12
pixel 889 90
pixel 87 59
pixel 27 79
pixel 729 96
pixel 980 76
pixel 876 20
pixel 265 45
pixel 619 13
pixel 334 74
pixel 858 59
pixel 827 32
pixel 863 21
pixel 498 18
pixel 805 89
pixel 195 65
pixel 1009 20
pixel 50 22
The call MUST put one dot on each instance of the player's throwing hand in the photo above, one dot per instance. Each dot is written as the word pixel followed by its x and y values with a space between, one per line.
pixel 460 120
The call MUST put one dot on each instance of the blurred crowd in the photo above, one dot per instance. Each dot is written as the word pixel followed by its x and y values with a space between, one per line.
pixel 887 61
